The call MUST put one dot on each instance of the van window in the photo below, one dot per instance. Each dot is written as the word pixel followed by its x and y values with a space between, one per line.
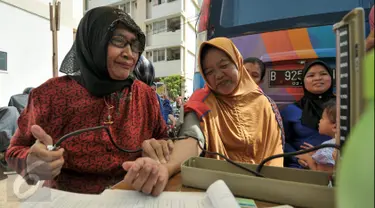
pixel 244 12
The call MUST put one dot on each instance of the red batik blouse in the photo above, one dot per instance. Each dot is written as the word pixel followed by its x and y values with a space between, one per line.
pixel 92 162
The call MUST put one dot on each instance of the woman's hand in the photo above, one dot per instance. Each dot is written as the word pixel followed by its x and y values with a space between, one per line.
pixel 146 175
pixel 306 161
pixel 41 162
pixel 159 150
pixel 303 163
pixel 307 146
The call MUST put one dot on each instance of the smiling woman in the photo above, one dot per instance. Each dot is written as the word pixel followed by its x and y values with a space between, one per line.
pixel 301 119
pixel 234 117
pixel 123 53
pixel 99 89
pixel 219 70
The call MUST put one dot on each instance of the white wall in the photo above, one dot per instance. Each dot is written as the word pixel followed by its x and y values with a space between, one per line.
pixel 96 3
pixel 190 38
pixel 164 9
pixel 167 68
pixel 140 15
pixel 190 17
pixel 189 73
pixel 190 10
pixel 164 39
pixel 27 39
pixel 45 1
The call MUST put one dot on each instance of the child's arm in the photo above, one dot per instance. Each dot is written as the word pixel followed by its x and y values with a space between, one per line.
pixel 325 158
pixel 325 168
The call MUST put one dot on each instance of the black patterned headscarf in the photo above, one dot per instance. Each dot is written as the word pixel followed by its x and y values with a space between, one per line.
pixel 86 62
pixel 144 71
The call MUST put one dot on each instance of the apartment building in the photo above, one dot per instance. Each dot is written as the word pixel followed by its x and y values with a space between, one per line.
pixel 169 26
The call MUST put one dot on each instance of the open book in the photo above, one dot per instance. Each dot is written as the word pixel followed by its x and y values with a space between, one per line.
pixel 217 195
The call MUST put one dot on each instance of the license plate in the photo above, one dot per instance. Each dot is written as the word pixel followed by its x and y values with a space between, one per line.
pixel 285 78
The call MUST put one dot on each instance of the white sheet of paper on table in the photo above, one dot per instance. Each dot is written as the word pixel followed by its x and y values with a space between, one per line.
pixel 218 195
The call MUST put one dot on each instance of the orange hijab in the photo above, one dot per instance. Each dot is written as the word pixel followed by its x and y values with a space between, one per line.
pixel 240 125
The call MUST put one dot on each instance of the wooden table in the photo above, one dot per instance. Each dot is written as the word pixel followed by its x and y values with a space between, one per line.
pixel 175 184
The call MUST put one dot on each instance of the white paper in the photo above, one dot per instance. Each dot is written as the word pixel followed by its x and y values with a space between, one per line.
pixel 218 195
pixel 164 200
pixel 46 197
pixel 221 196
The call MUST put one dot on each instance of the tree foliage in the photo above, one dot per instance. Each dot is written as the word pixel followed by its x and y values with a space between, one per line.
pixel 173 84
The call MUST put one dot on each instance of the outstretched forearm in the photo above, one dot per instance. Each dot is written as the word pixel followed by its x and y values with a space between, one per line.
pixel 186 148
pixel 182 150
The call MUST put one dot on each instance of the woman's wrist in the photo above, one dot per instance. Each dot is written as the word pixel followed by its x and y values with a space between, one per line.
pixel 172 168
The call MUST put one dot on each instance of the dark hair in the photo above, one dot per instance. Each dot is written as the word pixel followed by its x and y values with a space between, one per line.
pixel 254 60
pixel 330 109
pixel 144 71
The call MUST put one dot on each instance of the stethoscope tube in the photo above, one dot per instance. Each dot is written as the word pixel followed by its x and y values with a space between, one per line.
pixel 256 172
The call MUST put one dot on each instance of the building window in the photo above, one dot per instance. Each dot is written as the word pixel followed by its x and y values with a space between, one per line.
pixel 174 24
pixel 149 55
pixel 173 54
pixel 149 29
pixel 158 2
pixel 158 27
pixel 125 7
pixel 171 0
pixel 158 55
pixel 3 61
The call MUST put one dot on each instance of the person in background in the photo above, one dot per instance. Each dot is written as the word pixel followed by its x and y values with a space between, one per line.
pixel 179 102
pixel 256 68
pixel 145 72
pixel 301 119
pixel 99 90
pixel 160 101
pixel 168 110
pixel 20 100
pixel 230 115
pixel 370 41
pixel 179 106
pixel 153 87
pixel 323 159
pixel 8 125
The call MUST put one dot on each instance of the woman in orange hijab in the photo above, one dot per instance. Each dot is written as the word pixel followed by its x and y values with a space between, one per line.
pixel 230 115
pixel 235 117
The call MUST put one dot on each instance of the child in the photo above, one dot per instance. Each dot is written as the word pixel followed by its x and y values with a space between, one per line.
pixel 323 159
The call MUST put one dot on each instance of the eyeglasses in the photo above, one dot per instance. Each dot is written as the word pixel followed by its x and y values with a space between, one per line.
pixel 121 42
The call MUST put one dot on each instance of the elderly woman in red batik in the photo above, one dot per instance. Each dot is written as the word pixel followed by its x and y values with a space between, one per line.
pixel 99 89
